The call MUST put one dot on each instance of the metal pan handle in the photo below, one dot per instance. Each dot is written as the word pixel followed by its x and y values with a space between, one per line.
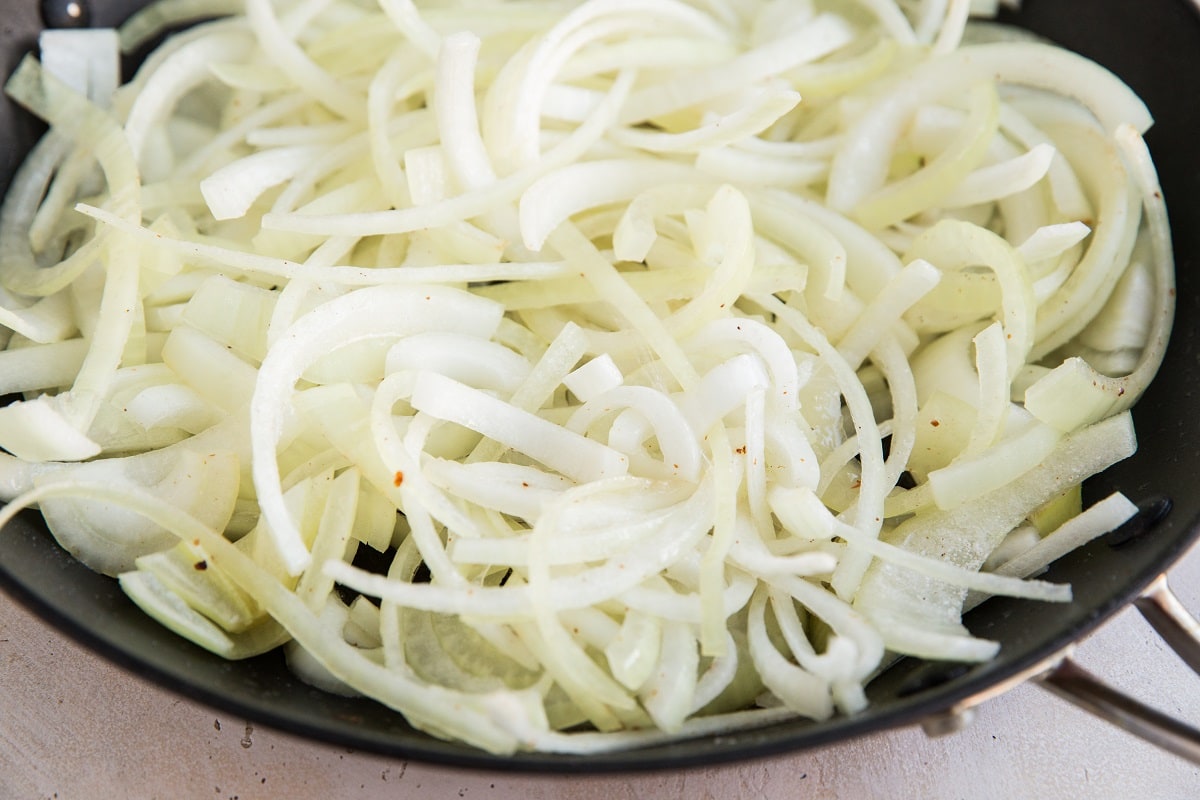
pixel 1181 631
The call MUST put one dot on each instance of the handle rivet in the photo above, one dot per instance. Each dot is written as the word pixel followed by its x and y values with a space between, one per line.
pixel 65 13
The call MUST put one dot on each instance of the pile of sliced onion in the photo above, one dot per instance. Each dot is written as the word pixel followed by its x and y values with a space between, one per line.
pixel 572 375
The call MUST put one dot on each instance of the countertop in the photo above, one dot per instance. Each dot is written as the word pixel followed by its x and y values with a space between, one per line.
pixel 74 726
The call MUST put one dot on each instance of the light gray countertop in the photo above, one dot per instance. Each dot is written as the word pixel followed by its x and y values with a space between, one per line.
pixel 74 726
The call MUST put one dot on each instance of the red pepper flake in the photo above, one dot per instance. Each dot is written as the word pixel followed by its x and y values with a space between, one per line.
pixel 934 423
pixel 857 484
pixel 398 478
pixel 741 451
pixel 201 565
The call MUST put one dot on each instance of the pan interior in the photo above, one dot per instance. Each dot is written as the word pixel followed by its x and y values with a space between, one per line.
pixel 1153 45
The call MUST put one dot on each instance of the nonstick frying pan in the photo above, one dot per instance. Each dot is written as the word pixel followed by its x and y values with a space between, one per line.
pixel 1155 46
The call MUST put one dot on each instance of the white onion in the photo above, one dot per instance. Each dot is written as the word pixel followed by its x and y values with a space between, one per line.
pixel 602 315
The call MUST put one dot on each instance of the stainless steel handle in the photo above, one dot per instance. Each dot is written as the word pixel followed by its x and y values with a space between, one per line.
pixel 1174 624
pixel 1181 631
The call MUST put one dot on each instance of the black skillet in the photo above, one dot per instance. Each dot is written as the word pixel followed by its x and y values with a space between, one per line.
pixel 1155 46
